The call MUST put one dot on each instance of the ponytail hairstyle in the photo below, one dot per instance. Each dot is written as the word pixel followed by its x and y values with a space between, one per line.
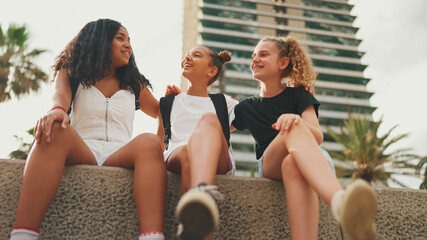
pixel 87 57
pixel 300 70
pixel 218 60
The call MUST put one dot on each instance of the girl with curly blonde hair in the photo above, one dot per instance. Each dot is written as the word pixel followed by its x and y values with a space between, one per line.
pixel 283 121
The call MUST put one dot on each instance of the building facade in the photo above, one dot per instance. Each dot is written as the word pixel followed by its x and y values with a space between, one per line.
pixel 325 27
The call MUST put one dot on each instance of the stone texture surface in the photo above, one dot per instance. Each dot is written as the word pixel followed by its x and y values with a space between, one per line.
pixel 97 203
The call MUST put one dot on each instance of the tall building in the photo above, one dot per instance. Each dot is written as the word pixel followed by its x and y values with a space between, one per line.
pixel 324 26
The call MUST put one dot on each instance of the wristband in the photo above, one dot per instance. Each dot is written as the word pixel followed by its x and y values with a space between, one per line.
pixel 59 108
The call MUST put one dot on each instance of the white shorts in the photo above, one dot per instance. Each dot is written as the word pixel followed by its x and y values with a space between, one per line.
pixel 232 164
pixel 102 149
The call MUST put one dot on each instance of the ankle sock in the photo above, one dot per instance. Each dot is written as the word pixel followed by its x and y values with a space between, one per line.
pixel 336 203
pixel 151 236
pixel 24 233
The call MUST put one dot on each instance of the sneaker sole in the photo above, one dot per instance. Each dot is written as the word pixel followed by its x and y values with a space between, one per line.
pixel 360 206
pixel 198 216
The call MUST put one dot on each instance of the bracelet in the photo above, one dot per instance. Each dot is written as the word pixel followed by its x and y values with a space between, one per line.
pixel 59 108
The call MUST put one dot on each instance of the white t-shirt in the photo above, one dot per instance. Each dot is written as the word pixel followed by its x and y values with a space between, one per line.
pixel 187 110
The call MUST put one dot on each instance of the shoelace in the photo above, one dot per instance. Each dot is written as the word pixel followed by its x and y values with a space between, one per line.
pixel 211 189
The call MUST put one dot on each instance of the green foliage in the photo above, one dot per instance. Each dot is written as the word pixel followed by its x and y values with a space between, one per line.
pixel 369 153
pixel 419 168
pixel 24 148
pixel 18 72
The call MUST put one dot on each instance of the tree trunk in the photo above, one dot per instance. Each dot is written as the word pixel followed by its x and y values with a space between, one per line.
pixel 4 78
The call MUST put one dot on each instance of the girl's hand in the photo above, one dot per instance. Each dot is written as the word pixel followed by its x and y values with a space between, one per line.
pixel 44 124
pixel 309 89
pixel 171 90
pixel 286 121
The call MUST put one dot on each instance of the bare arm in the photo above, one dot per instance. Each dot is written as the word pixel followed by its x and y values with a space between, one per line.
pixel 160 131
pixel 310 119
pixel 61 99
pixel 148 103
pixel 62 94
pixel 150 106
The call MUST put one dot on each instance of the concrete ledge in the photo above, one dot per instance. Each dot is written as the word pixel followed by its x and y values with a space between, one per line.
pixel 97 203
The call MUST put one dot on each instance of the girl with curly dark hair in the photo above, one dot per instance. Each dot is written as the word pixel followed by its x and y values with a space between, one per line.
pixel 97 75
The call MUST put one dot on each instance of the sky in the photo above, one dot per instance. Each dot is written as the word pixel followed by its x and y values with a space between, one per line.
pixel 394 35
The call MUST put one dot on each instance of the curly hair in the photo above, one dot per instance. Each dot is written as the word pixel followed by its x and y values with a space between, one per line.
pixel 218 60
pixel 87 57
pixel 300 70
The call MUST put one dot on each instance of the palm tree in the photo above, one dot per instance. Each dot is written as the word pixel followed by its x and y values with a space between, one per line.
pixel 18 73
pixel 24 148
pixel 419 168
pixel 369 153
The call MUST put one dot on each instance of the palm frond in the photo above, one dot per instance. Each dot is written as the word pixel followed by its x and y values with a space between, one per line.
pixel 398 182
pixel 368 152
pixel 18 72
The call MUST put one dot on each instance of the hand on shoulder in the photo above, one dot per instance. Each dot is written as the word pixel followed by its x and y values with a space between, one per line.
pixel 171 90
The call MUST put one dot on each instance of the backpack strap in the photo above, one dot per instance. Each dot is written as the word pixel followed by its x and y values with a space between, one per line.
pixel 137 99
pixel 165 110
pixel 74 84
pixel 221 109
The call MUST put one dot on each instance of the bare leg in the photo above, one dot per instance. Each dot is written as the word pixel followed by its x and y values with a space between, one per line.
pixel 302 201
pixel 205 155
pixel 207 151
pixel 43 172
pixel 312 164
pixel 144 154
pixel 178 163
pixel 295 157
pixel 299 148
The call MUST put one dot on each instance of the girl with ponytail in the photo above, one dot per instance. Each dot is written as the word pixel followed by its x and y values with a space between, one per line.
pixel 283 121
pixel 198 146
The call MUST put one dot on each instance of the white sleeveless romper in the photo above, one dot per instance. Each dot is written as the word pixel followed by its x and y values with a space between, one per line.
pixel 104 124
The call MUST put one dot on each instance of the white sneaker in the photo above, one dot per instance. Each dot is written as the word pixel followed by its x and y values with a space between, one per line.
pixel 357 210
pixel 197 212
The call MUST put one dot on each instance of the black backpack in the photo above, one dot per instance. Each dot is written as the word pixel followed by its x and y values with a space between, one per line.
pixel 75 84
pixel 221 109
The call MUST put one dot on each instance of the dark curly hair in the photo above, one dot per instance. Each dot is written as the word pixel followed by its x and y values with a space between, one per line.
pixel 87 58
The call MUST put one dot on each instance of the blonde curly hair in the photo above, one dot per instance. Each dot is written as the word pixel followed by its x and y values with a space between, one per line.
pixel 300 70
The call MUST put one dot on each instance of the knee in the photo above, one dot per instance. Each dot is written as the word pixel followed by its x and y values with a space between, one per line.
pixel 289 168
pixel 210 119
pixel 149 142
pixel 300 129
pixel 58 134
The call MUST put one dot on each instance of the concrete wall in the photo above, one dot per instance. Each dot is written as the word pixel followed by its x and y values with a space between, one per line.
pixel 97 203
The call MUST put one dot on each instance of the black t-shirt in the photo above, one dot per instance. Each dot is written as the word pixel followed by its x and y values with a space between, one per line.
pixel 257 114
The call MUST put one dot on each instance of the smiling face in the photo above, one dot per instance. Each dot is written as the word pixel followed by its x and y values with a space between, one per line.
pixel 121 48
pixel 266 63
pixel 197 64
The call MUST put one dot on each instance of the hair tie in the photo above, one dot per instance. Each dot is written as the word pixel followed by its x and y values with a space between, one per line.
pixel 284 40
